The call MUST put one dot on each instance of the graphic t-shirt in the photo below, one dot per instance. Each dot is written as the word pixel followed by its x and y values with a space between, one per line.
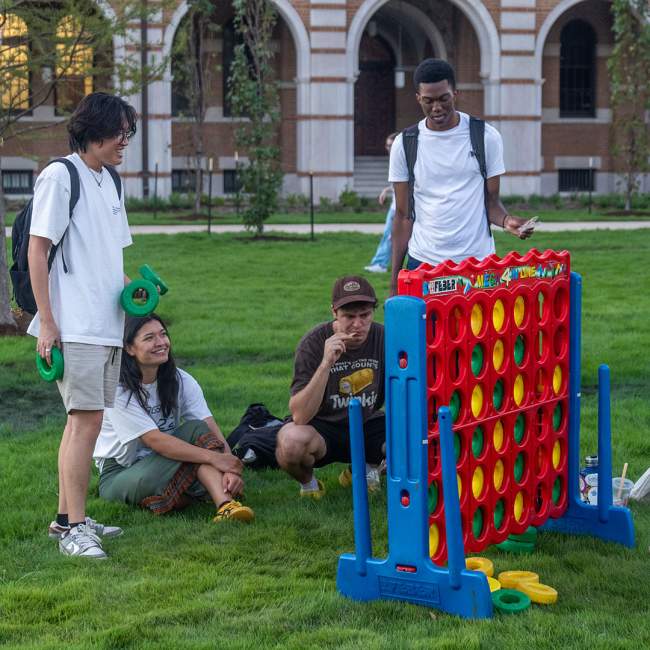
pixel 123 424
pixel 86 300
pixel 358 373
pixel 450 221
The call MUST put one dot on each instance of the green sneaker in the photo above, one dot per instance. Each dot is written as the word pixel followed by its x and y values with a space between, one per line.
pixel 314 494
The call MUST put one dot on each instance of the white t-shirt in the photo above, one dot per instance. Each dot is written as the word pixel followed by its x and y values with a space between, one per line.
pixel 85 300
pixel 123 424
pixel 450 221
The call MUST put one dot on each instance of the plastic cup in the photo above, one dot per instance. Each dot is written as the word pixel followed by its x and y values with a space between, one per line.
pixel 625 490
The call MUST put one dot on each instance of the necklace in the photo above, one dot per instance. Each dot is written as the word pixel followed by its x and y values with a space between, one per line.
pixel 98 178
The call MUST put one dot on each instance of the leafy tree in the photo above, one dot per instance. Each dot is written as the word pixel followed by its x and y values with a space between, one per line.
pixel 56 50
pixel 254 95
pixel 193 70
pixel 629 69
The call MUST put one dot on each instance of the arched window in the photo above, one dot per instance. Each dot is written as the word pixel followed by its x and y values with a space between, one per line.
pixel 577 70
pixel 74 67
pixel 14 63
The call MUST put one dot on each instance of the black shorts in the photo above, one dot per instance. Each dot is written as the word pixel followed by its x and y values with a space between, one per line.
pixel 337 440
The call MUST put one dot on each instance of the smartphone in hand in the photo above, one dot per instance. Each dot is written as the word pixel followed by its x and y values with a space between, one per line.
pixel 529 226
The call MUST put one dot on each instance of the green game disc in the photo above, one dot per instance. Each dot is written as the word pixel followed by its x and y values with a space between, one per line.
pixel 510 601
pixel 511 546
pixel 53 372
pixel 557 416
pixel 518 471
pixel 520 349
pixel 520 428
pixel 133 308
pixel 149 274
pixel 432 495
pixel 528 536
pixel 477 523
pixel 454 405
pixel 557 490
pixel 477 442
pixel 497 395
pixel 499 509
pixel 477 359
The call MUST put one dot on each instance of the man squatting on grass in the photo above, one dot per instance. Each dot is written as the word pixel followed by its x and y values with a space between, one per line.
pixel 335 361
pixel 79 311
pixel 449 220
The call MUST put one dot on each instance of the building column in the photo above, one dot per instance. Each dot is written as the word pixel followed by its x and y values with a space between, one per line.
pixel 520 101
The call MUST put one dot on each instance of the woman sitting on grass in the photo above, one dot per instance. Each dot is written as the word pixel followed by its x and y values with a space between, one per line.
pixel 159 446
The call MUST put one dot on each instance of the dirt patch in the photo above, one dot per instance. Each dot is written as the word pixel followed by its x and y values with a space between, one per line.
pixel 22 320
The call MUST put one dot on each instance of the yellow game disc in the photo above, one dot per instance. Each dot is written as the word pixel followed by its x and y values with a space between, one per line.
pixel 557 454
pixel 537 592
pixel 518 390
pixel 493 584
pixel 512 579
pixel 497 477
pixel 498 315
pixel 434 539
pixel 482 564
pixel 519 506
pixel 497 355
pixel 557 379
pixel 477 400
pixel 477 482
pixel 497 436
pixel 519 310
pixel 476 319
pixel 460 486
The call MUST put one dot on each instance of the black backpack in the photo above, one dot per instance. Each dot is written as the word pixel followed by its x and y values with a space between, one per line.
pixel 253 440
pixel 19 271
pixel 477 140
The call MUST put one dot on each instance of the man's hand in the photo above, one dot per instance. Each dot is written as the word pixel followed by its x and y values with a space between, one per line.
pixel 48 337
pixel 233 484
pixel 334 348
pixel 513 225
pixel 227 463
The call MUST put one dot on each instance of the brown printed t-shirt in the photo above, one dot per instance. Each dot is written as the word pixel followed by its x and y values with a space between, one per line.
pixel 357 373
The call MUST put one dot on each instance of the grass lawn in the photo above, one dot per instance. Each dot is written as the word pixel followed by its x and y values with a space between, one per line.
pixel 236 310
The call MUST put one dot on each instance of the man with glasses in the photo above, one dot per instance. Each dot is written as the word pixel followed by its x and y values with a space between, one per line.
pixel 335 361
pixel 78 300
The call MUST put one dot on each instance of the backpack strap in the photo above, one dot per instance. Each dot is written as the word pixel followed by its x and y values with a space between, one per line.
pixel 75 191
pixel 410 143
pixel 477 141
pixel 116 179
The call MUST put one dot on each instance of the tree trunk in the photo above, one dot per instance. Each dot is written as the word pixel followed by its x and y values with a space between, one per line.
pixel 7 322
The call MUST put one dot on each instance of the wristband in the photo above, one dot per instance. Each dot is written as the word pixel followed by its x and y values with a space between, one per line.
pixel 503 225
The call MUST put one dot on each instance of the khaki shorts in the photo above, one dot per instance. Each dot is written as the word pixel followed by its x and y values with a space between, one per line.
pixel 90 376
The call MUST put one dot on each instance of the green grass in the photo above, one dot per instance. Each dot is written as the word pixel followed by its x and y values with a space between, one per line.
pixel 237 308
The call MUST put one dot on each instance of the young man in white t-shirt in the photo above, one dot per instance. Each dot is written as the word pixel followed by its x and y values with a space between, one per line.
pixel 78 301
pixel 450 220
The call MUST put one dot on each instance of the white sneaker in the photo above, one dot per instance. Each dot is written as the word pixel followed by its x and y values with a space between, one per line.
pixel 80 541
pixel 56 531
pixel 375 268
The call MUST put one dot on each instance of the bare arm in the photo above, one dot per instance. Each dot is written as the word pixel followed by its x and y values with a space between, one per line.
pixel 306 403
pixel 499 215
pixel 402 229
pixel 37 254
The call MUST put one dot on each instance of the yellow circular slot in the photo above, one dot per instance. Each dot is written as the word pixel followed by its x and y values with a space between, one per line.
pixel 557 454
pixel 477 400
pixel 460 486
pixel 482 564
pixel 476 319
pixel 497 477
pixel 497 436
pixel 519 506
pixel 498 355
pixel 518 390
pixel 498 315
pixel 511 579
pixel 519 310
pixel 477 482
pixel 557 379
pixel 493 584
pixel 434 539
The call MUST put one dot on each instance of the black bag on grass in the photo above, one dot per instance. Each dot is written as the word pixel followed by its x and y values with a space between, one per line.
pixel 253 439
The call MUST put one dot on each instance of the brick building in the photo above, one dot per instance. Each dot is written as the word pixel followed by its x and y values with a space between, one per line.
pixel 536 69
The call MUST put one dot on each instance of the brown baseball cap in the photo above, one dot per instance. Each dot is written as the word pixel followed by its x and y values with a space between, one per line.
pixel 352 288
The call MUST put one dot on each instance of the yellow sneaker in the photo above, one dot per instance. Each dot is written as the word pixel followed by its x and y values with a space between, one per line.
pixel 345 478
pixel 234 510
pixel 372 480
pixel 314 494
